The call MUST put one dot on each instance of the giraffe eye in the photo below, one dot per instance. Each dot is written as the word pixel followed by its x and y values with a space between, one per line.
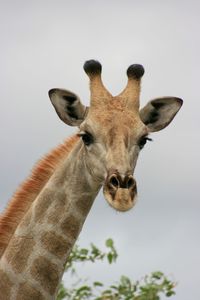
pixel 143 141
pixel 87 138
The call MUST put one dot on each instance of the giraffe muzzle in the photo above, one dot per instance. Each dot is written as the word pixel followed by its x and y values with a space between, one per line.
pixel 120 191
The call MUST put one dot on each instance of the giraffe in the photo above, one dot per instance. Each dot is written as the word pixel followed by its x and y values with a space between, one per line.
pixel 45 216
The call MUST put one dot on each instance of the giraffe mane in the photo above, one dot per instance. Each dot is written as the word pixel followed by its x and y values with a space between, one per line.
pixel 29 189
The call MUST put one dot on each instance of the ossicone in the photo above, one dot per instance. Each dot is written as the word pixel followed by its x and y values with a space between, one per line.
pixel 92 67
pixel 135 71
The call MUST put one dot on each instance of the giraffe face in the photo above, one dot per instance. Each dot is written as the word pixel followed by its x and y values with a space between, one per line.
pixel 111 143
pixel 113 130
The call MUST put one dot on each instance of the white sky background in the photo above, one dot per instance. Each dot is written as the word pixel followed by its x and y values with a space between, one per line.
pixel 44 45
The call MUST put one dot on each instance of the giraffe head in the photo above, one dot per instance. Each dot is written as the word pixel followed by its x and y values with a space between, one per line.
pixel 114 130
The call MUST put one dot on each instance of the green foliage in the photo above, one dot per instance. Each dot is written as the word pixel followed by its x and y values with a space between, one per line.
pixel 148 288
pixel 92 254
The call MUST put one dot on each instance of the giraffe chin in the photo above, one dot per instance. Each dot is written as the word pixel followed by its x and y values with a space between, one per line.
pixel 121 199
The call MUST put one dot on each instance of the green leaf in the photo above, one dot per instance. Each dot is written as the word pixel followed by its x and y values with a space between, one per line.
pixel 110 257
pixel 125 280
pixel 62 292
pixel 83 291
pixel 106 292
pixel 157 275
pixel 170 293
pixel 95 250
pixel 97 283
pixel 84 251
pixel 84 288
pixel 109 243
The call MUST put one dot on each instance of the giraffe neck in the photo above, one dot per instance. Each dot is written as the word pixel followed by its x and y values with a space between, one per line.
pixel 33 263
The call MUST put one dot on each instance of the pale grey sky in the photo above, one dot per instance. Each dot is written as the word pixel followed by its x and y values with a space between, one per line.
pixel 44 45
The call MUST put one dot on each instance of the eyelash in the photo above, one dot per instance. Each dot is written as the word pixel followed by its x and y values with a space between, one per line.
pixel 143 141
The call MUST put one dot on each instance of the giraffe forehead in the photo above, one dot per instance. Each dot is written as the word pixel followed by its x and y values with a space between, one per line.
pixel 113 122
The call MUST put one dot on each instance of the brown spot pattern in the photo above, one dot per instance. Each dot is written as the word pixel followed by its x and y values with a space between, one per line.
pixel 5 286
pixel 46 273
pixel 57 210
pixel 55 244
pixel 43 203
pixel 71 227
pixel 84 205
pixel 18 252
pixel 27 292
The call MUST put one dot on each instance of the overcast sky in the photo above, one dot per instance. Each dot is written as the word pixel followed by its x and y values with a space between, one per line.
pixel 44 45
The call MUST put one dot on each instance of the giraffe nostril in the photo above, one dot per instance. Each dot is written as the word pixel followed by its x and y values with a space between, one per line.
pixel 130 182
pixel 114 181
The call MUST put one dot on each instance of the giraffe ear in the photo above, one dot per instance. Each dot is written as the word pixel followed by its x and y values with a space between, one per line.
pixel 68 106
pixel 158 113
